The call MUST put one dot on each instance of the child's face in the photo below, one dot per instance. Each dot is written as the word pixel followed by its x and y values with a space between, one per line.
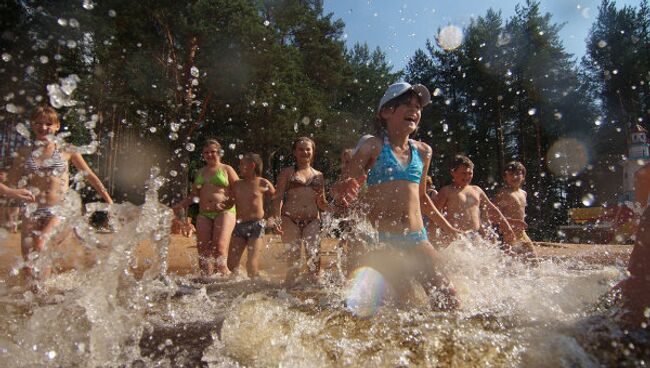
pixel 403 117
pixel 3 176
pixel 246 167
pixel 514 179
pixel 462 175
pixel 211 153
pixel 304 152
pixel 44 127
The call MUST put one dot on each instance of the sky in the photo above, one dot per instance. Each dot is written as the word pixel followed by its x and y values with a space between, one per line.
pixel 401 27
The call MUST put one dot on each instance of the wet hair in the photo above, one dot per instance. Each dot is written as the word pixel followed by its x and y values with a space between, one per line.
pixel 461 160
pixel 45 112
pixel 304 139
pixel 403 99
pixel 515 167
pixel 257 160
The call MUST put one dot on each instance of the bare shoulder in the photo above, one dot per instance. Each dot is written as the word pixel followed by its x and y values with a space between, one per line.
pixel 372 146
pixel 423 148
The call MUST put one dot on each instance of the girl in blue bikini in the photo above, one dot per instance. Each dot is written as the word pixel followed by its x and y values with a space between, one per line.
pixel 215 222
pixel 393 167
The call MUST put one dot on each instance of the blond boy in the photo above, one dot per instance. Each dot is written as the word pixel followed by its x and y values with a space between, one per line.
pixel 247 194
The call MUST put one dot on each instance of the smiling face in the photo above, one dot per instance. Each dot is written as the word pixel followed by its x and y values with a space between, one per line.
pixel 303 151
pixel 211 153
pixel 403 117
pixel 462 175
pixel 514 179
pixel 44 127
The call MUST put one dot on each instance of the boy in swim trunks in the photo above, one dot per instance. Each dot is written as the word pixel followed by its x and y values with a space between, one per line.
pixel 462 203
pixel 247 194
pixel 511 201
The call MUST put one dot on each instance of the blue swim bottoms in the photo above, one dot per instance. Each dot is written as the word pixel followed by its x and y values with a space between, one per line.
pixel 403 240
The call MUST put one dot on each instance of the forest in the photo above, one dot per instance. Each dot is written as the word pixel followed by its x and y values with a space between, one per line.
pixel 142 84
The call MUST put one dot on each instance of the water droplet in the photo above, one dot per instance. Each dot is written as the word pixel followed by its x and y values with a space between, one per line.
pixel 195 82
pixel 557 205
pixel 51 354
pixel 232 146
pixel 267 23
pixel 152 129
pixel 112 13
pixel 318 123
pixel 6 57
pixel 295 127
pixel 450 37
pixel 73 23
pixel 71 44
pixel 194 71
pixel 173 136
pixel 588 199
pixel 598 122
pixel 305 120
pixel 196 199
pixel 62 22
pixel 557 116
pixel 43 59
pixel 437 92
pixel 504 39
pixel 190 146
pixel 174 127
pixel 11 108
pixel 88 4
pixel 602 43
pixel 532 111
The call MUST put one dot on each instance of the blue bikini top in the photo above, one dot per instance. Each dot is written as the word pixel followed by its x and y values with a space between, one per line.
pixel 387 168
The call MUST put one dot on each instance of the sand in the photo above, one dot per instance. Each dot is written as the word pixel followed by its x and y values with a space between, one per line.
pixel 182 259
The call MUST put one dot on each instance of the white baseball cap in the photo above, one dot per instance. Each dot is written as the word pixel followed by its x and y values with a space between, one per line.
pixel 400 88
pixel 362 140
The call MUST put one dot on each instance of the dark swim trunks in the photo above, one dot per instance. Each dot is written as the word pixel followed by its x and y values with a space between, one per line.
pixel 249 230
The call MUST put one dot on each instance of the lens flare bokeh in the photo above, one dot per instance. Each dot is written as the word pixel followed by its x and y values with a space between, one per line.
pixel 365 292
pixel 567 157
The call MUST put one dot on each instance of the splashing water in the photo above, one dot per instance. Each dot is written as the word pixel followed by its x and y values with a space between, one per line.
pixel 511 314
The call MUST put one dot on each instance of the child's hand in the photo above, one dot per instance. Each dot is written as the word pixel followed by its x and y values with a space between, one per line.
pixel 23 194
pixel 276 224
pixel 347 191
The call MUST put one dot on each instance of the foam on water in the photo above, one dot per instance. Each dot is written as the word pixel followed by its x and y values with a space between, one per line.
pixel 512 313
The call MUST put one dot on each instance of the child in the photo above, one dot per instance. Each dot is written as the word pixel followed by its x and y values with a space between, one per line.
pixel 511 201
pixel 299 200
pixel 248 196
pixel 215 222
pixel 42 167
pixel 394 166
pixel 462 203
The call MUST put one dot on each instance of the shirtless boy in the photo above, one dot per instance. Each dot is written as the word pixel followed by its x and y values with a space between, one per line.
pixel 511 201
pixel 462 202
pixel 247 194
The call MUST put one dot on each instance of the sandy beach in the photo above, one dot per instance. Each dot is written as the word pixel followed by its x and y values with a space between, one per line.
pixel 182 259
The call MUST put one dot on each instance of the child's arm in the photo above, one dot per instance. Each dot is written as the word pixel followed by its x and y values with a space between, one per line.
pixel 321 201
pixel 427 206
pixel 232 178
pixel 20 193
pixel 496 216
pixel 283 178
pixel 268 188
pixel 346 190
pixel 90 176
